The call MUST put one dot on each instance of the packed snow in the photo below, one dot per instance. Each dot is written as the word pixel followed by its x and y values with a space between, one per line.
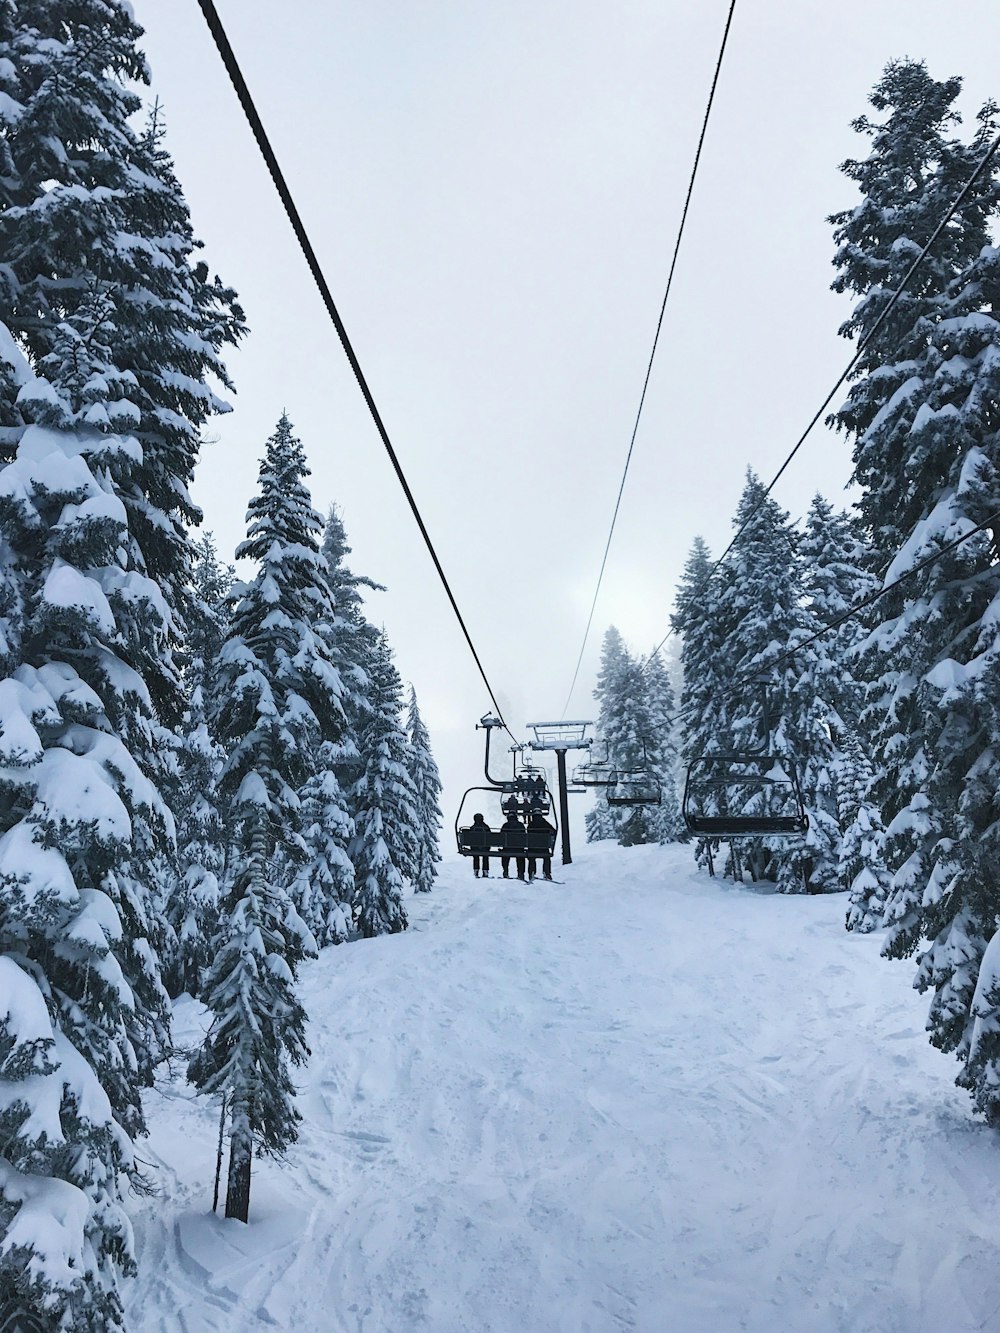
pixel 638 1099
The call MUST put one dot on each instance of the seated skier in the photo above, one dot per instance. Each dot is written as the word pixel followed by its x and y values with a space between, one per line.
pixel 479 836
pixel 512 825
pixel 538 821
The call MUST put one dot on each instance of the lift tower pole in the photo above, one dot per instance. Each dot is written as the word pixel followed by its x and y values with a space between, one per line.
pixel 561 736
pixel 563 806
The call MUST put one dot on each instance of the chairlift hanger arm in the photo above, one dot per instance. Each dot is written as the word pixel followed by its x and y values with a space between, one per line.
pixel 487 723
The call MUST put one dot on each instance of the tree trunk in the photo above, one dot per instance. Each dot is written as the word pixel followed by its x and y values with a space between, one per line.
pixel 734 854
pixel 238 1184
pixel 218 1158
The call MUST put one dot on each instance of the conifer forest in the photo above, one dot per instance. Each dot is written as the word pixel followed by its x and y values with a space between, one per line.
pixel 738 1064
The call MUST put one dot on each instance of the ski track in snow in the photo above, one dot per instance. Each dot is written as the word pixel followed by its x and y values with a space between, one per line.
pixel 641 1101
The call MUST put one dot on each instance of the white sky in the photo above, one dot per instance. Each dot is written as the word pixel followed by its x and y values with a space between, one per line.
pixel 494 191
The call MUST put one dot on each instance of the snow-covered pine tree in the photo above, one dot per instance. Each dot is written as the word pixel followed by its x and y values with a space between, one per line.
pixel 600 818
pixel 383 802
pixel 625 727
pixel 923 416
pixel 704 701
pixel 909 180
pixel 402 815
pixel 861 867
pixel 353 644
pixel 100 286
pixel 427 790
pixel 278 699
pixel 193 903
pixel 98 245
pixel 323 888
pixel 635 748
pixel 836 575
pixel 82 381
pixel 775 591
pixel 664 820
pixel 757 602
pixel 80 824
pixel 108 306
pixel 675 673
pixel 813 731
pixel 354 636
pixel 826 697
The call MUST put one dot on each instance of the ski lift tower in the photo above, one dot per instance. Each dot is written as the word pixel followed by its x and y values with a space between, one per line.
pixel 561 736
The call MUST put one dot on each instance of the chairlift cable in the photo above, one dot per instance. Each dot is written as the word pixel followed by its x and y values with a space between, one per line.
pixel 862 345
pixel 239 83
pixel 652 354
pixel 851 612
pixel 277 176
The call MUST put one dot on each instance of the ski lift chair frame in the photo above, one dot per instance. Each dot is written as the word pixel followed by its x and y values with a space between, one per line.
pixel 528 770
pixel 634 785
pixel 792 823
pixel 594 772
pixel 766 771
pixel 505 842
pixel 519 796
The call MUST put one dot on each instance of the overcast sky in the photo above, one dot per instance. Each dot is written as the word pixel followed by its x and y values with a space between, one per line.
pixel 494 190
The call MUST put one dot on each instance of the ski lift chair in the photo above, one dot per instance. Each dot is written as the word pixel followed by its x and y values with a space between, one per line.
pixel 523 795
pixel 633 786
pixel 490 839
pixel 743 796
pixel 594 771
pixel 531 780
pixel 746 793
pixel 528 769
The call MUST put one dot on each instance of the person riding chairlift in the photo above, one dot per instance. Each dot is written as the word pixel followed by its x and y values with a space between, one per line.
pixel 537 821
pixel 479 836
pixel 512 825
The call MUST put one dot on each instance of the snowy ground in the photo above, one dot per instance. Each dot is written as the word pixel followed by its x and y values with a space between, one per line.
pixel 637 1100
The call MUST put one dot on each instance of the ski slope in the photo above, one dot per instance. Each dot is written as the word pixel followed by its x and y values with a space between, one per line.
pixel 636 1100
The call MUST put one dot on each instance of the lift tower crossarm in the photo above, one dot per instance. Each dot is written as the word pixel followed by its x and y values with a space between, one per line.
pixel 562 736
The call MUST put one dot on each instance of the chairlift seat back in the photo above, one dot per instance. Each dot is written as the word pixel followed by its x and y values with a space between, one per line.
pixel 770 777
pixel 475 838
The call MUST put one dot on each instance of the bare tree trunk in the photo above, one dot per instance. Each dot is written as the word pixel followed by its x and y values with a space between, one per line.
pixel 218 1159
pixel 737 865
